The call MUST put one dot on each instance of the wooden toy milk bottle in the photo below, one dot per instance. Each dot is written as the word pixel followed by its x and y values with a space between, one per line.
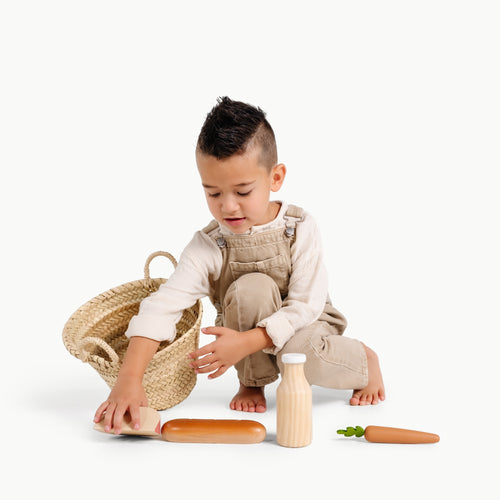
pixel 294 403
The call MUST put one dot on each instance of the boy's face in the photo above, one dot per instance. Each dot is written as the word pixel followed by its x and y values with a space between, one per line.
pixel 238 189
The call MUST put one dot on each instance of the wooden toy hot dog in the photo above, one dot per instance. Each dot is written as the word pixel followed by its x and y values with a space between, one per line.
pixel 378 434
pixel 186 430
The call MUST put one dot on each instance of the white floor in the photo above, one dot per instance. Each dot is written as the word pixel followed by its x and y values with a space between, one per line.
pixel 386 116
pixel 53 444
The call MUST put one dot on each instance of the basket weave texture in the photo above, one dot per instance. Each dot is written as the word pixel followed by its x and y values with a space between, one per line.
pixel 95 334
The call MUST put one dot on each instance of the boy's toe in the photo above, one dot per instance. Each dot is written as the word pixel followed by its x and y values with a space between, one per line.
pixel 354 401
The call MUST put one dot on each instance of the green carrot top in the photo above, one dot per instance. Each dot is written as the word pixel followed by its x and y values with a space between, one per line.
pixel 357 431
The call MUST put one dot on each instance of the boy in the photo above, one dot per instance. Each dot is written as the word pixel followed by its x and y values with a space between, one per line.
pixel 260 263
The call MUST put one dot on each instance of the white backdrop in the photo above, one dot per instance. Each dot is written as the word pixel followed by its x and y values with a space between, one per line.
pixel 387 116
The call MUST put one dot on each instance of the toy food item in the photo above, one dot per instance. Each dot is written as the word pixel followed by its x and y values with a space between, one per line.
pixel 294 403
pixel 186 430
pixel 377 434
pixel 150 423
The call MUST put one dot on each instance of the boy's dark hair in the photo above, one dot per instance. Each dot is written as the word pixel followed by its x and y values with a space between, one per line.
pixel 231 126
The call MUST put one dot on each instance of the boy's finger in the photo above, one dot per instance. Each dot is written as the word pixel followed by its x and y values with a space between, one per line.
pixel 205 360
pixel 207 349
pixel 219 372
pixel 100 411
pixel 135 414
pixel 206 369
pixel 118 419
pixel 108 417
pixel 212 330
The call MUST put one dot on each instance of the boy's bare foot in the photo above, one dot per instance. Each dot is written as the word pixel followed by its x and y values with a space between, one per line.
pixel 249 399
pixel 374 391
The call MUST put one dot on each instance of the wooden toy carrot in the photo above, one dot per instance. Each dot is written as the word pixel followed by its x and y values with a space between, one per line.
pixel 377 434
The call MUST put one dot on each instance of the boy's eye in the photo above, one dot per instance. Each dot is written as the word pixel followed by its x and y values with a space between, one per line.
pixel 245 194
pixel 214 195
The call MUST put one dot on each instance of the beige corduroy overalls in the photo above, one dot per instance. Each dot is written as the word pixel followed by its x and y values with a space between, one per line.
pixel 252 285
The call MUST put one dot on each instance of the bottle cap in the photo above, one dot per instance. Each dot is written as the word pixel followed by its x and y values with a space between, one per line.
pixel 293 358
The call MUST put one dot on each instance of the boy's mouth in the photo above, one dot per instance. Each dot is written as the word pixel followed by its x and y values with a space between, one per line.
pixel 235 221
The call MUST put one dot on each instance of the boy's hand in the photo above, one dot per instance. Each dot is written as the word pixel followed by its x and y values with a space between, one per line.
pixel 127 395
pixel 229 347
pixel 225 351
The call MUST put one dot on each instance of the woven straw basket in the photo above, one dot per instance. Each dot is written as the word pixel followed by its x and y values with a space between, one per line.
pixel 95 335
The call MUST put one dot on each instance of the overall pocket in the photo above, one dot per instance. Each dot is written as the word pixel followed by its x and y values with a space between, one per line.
pixel 276 268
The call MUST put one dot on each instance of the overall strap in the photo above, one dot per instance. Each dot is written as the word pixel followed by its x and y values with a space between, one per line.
pixel 213 230
pixel 293 215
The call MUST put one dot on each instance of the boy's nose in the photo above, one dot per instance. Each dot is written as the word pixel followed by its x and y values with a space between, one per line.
pixel 229 205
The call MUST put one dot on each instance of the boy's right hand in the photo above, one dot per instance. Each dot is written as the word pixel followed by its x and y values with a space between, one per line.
pixel 127 395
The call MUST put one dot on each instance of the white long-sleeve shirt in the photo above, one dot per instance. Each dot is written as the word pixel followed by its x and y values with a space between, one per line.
pixel 202 258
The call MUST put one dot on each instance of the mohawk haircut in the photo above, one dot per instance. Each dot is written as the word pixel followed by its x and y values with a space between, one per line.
pixel 232 127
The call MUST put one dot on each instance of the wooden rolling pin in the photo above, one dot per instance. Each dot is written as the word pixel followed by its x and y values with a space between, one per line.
pixel 192 430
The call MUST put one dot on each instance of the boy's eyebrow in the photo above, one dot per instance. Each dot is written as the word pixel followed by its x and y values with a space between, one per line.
pixel 241 184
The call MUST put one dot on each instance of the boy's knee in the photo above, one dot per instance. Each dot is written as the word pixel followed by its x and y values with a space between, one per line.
pixel 253 288
pixel 249 299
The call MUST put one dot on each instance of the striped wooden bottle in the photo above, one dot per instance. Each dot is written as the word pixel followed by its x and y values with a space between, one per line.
pixel 294 404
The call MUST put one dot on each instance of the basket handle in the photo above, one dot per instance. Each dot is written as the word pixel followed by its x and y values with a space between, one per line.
pixel 85 354
pixel 156 254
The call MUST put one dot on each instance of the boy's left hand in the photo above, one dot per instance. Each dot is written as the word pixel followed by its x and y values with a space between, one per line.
pixel 229 347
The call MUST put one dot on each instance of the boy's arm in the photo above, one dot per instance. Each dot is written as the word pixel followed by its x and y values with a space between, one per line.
pixel 307 290
pixel 156 322
pixel 160 311
pixel 128 394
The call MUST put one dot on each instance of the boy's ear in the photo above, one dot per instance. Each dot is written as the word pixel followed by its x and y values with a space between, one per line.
pixel 278 174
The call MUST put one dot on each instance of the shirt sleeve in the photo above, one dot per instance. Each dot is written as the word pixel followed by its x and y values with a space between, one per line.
pixel 160 311
pixel 308 287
